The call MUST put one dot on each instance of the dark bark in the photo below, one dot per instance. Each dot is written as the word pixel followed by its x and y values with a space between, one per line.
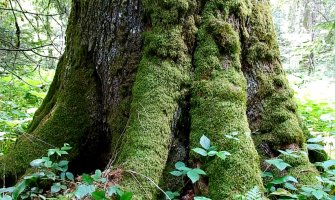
pixel 141 81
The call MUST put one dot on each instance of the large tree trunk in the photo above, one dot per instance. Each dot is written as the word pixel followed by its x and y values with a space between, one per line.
pixel 141 81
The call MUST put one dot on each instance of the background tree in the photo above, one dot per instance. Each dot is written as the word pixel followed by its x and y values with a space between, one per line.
pixel 31 41
pixel 141 81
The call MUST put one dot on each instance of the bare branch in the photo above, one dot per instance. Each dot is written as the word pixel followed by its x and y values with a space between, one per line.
pixel 31 13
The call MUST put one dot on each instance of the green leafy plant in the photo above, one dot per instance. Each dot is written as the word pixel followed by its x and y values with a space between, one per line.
pixel 49 169
pixel 192 174
pixel 208 150
pixel 54 171
pixel 278 163
pixel 281 186
pixel 172 195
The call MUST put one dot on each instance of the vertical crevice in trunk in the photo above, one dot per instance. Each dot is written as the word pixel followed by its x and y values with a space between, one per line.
pixel 179 147
pixel 180 127
pixel 271 110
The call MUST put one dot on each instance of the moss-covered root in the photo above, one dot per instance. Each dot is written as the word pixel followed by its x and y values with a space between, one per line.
pixel 70 113
pixel 65 121
pixel 271 108
pixel 218 104
pixel 163 71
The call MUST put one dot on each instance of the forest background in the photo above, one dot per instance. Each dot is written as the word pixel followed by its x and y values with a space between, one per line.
pixel 32 40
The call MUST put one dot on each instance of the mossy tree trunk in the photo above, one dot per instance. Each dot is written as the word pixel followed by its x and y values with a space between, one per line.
pixel 141 81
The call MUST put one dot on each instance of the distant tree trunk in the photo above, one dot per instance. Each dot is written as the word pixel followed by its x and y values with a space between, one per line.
pixel 141 81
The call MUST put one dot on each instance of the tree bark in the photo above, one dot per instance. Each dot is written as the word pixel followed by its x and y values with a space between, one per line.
pixel 141 81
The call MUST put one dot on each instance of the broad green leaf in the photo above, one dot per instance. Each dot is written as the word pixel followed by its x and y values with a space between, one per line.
pixel 55 188
pixel 63 163
pixel 84 190
pixel 62 176
pixel 99 195
pixel 205 142
pixel 6 197
pixel 19 189
pixel 278 163
pixel 288 153
pixel 279 180
pixel 97 175
pixel 212 148
pixel 318 194
pixel 102 180
pixel 212 153
pixel 37 162
pixel 267 174
pixel 179 165
pixel 51 152
pixel 327 164
pixel 184 169
pixel 201 198
pixel 315 147
pixel 199 171
pixel 176 173
pixel 69 176
pixel 63 187
pixel 172 195
pixel 291 179
pixel 66 147
pixel 307 189
pixel 48 164
pixel 284 179
pixel 193 175
pixel 315 140
pixel 126 196
pixel 112 190
pixel 7 190
pixel 200 151
pixel 87 179
pixel 290 186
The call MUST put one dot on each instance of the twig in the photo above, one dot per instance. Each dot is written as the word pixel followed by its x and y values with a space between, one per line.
pixel 31 13
pixel 29 49
pixel 149 179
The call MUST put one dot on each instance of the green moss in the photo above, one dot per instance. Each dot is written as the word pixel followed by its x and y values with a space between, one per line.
pixel 277 123
pixel 305 173
pixel 218 104
pixel 66 114
pixel 263 41
pixel 164 69
pixel 225 35
pixel 66 122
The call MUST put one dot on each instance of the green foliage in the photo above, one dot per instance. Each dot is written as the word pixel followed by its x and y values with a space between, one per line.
pixel 49 168
pixel 278 163
pixel 18 102
pixel 284 186
pixel 172 195
pixel 253 194
pixel 192 174
pixel 53 172
pixel 209 150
